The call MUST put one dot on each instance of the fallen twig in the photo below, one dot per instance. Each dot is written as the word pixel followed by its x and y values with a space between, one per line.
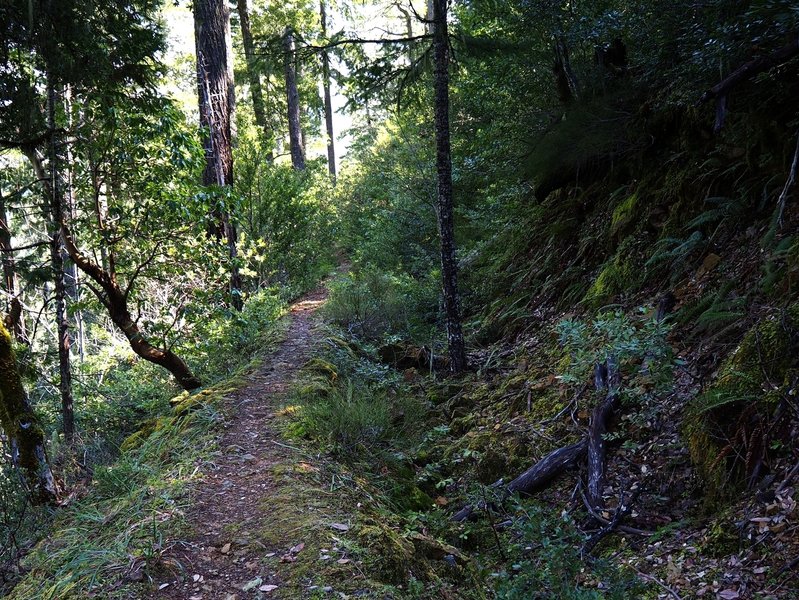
pixel 662 585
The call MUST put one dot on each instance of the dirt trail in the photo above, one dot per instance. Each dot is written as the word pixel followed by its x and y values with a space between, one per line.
pixel 231 506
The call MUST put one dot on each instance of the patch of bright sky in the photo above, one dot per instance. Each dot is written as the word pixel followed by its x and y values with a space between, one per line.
pixel 369 20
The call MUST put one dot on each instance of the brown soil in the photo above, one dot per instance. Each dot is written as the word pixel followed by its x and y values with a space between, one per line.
pixel 228 550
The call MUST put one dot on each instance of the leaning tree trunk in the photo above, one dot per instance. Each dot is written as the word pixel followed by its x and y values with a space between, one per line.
pixel 116 302
pixel 449 266
pixel 215 93
pixel 256 91
pixel 293 102
pixel 331 150
pixel 21 428
pixel 56 209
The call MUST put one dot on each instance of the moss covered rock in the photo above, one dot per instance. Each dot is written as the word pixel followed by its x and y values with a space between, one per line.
pixel 725 425
pixel 390 556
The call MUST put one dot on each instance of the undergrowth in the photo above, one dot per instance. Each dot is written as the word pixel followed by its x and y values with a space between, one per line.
pixel 117 530
pixel 125 503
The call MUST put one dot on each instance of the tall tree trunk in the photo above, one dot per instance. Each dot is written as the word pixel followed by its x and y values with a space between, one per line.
pixel 256 91
pixel 57 263
pixel 15 318
pixel 215 93
pixel 293 101
pixel 19 423
pixel 71 278
pixel 565 80
pixel 446 224
pixel 331 149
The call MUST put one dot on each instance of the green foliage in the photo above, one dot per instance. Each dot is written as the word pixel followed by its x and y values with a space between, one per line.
pixel 226 340
pixel 547 564
pixel 613 336
pixel 370 304
pixel 353 405
pixel 120 526
pixel 286 222
pixel 675 253
pixel 726 425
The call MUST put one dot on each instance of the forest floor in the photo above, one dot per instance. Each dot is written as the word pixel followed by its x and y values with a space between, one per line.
pixel 251 512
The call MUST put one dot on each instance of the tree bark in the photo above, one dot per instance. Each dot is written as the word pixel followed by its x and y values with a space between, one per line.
pixel 606 377
pixel 331 150
pixel 449 266
pixel 565 79
pixel 745 72
pixel 21 427
pixel 256 90
pixel 56 209
pixel 537 477
pixel 116 301
pixel 216 99
pixel 15 319
pixel 293 102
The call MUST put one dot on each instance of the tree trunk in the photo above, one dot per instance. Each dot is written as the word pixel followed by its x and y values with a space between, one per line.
pixel 331 150
pixel 293 102
pixel 215 94
pixel 16 321
pixel 449 266
pixel 57 263
pixel 19 423
pixel 256 91
pixel 71 277
pixel 116 301
pixel 606 377
pixel 565 80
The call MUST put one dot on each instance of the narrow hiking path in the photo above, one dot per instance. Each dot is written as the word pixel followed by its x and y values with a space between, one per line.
pixel 247 508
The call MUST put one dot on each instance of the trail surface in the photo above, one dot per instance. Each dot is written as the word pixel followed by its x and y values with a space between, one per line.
pixel 233 551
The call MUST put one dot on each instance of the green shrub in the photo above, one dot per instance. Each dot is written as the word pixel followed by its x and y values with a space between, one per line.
pixel 351 416
pixel 370 304
pixel 548 565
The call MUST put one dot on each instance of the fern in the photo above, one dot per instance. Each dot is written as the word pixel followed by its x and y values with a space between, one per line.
pixel 725 208
pixel 675 251
pixel 714 310
pixel 691 312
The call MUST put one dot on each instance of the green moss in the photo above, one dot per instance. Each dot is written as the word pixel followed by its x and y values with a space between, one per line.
pixel 389 556
pixel 19 421
pixel 766 356
pixel 624 214
pixel 322 367
pixel 147 428
pixel 617 276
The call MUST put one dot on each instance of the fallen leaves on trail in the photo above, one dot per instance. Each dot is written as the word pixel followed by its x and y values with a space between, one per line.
pixel 252 584
pixel 291 555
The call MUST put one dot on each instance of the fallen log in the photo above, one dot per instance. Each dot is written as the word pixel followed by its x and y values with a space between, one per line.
pixel 542 473
pixel 535 478
pixel 548 468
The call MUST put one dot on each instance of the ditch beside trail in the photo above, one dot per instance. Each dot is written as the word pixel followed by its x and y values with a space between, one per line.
pixel 249 515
